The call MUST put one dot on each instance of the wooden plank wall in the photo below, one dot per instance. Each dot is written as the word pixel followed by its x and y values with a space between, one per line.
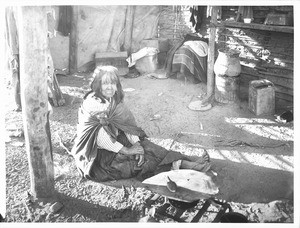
pixel 174 23
pixel 264 54
pixel 259 12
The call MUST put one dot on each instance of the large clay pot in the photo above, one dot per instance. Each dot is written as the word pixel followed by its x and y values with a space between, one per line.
pixel 227 63
pixel 227 69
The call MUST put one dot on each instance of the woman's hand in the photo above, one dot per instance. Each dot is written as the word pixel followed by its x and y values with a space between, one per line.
pixel 140 158
pixel 135 149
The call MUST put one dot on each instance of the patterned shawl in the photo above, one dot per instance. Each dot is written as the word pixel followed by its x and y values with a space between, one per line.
pixel 85 148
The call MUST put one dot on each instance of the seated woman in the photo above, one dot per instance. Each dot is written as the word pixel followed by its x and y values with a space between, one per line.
pixel 110 146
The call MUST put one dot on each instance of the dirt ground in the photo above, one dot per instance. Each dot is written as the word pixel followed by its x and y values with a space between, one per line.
pixel 253 156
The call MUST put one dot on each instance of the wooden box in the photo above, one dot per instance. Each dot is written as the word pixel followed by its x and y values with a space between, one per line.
pixel 261 97
pixel 116 59
pixel 278 19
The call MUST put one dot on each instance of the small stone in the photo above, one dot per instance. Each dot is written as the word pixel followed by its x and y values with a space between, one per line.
pixel 41 204
pixel 56 207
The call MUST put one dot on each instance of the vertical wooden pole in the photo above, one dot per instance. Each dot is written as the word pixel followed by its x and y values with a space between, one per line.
pixel 73 42
pixel 211 55
pixel 128 28
pixel 175 23
pixel 33 76
pixel 3 65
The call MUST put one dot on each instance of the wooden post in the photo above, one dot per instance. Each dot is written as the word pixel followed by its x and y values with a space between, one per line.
pixel 73 43
pixel 33 76
pixel 211 55
pixel 128 28
pixel 2 124
pixel 175 22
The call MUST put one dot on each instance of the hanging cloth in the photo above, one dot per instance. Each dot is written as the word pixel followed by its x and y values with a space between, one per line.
pixel 192 18
pixel 65 20
pixel 246 11
pixel 197 14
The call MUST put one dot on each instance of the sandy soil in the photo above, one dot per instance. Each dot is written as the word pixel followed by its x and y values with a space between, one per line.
pixel 255 175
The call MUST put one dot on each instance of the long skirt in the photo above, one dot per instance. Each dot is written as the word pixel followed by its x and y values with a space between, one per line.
pixel 109 165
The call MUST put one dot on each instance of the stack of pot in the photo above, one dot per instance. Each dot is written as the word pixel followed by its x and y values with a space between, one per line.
pixel 227 69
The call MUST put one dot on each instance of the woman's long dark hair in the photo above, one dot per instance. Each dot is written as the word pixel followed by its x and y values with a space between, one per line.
pixel 108 73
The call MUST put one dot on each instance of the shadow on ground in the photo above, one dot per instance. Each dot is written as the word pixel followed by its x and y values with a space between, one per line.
pixel 260 184
pixel 74 207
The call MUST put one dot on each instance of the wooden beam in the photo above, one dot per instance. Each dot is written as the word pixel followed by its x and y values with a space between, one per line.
pixel 211 54
pixel 273 28
pixel 73 43
pixel 3 167
pixel 33 28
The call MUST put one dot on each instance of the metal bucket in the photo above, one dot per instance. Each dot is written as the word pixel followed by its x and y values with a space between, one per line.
pixel 147 64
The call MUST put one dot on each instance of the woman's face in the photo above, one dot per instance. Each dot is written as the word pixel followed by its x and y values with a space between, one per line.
pixel 109 89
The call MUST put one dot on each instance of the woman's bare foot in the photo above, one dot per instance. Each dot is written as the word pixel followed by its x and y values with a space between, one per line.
pixel 204 158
